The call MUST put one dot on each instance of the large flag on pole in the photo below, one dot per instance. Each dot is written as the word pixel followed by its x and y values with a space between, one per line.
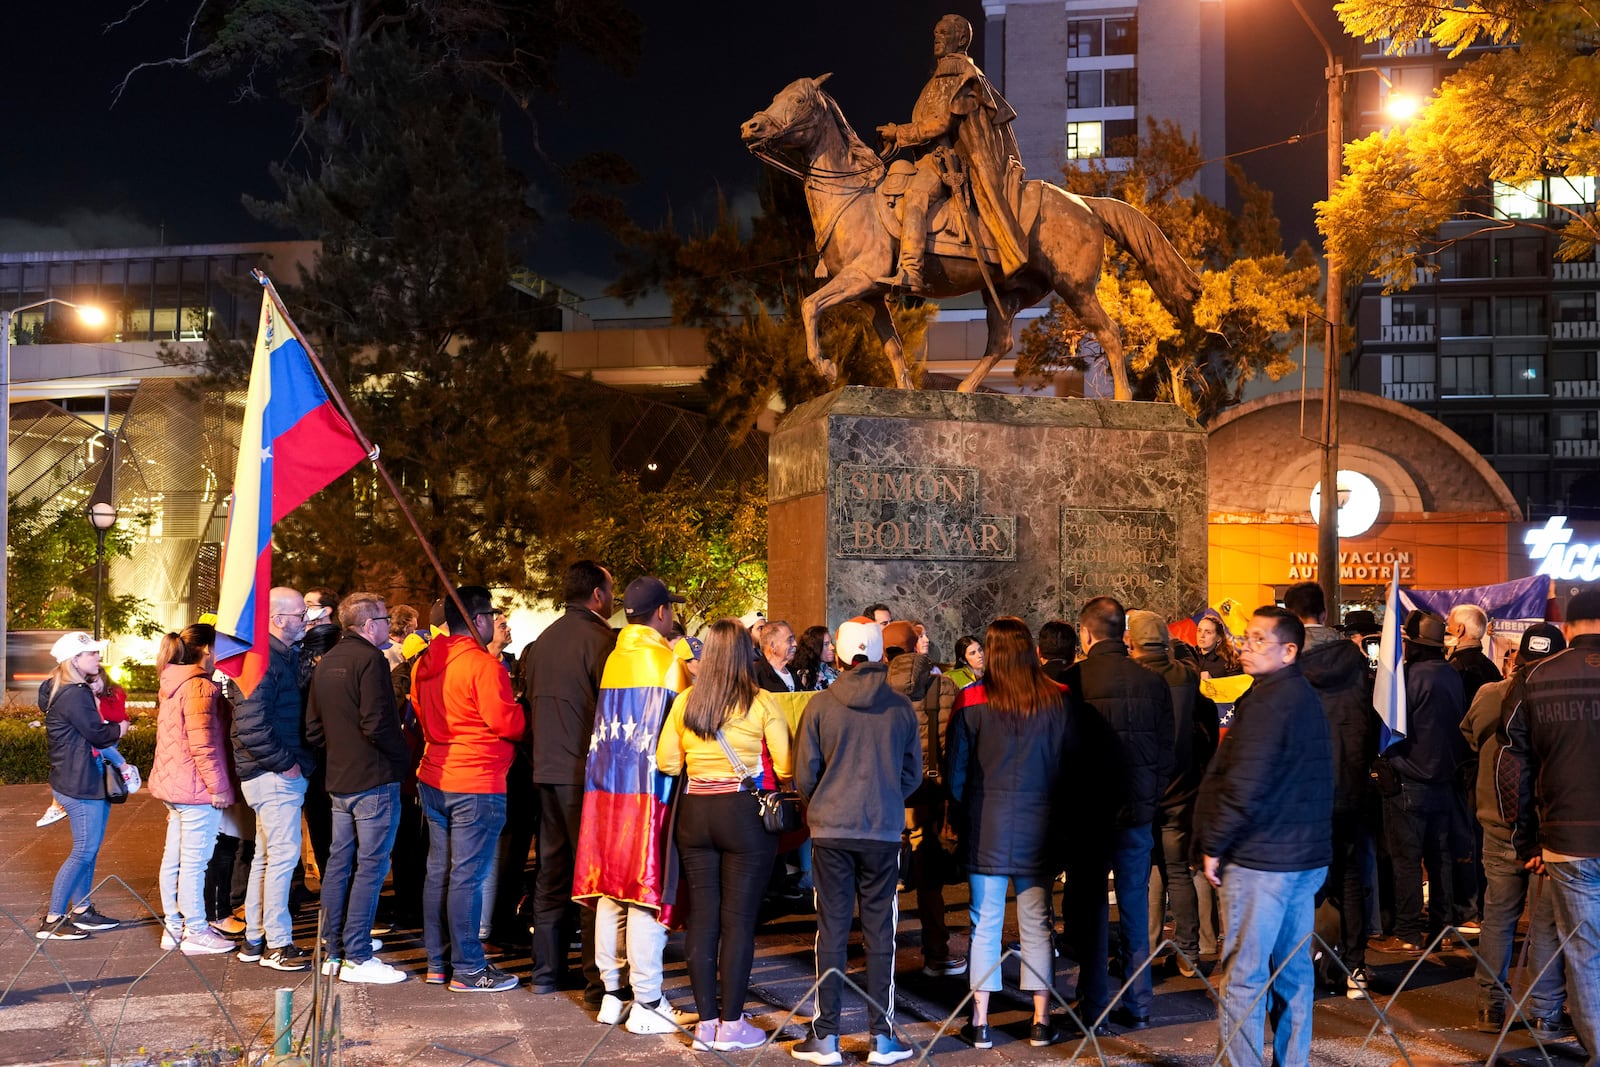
pixel 292 444
pixel 1389 689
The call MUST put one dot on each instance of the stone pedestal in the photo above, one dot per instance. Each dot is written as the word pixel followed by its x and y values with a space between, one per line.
pixel 954 508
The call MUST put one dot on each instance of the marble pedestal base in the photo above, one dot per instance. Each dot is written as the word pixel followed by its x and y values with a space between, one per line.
pixel 954 508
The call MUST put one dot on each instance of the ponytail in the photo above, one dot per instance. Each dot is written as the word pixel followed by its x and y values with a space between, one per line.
pixel 187 647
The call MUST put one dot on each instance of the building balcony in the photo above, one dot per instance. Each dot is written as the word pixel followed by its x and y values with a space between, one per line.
pixel 1575 331
pixel 1575 449
pixel 1575 390
pixel 1408 392
pixel 1579 270
pixel 1420 333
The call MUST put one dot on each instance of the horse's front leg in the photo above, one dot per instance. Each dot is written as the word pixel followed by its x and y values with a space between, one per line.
pixel 849 284
pixel 893 347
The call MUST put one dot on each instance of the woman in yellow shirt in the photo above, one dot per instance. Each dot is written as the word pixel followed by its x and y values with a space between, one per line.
pixel 726 852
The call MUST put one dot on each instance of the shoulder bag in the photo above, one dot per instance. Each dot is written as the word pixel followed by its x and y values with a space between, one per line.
pixel 780 808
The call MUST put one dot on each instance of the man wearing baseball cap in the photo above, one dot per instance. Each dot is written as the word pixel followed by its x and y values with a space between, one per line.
pixel 1421 797
pixel 626 865
pixel 1550 795
pixel 857 758
pixel 1505 878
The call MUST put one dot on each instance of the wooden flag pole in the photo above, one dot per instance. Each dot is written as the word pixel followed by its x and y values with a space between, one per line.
pixel 372 454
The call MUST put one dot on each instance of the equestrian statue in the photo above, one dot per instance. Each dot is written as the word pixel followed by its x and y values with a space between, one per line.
pixel 956 219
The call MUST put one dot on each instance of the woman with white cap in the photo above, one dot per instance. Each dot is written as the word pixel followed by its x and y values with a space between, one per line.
pixel 74 731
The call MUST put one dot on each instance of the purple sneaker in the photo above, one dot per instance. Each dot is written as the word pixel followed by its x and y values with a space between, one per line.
pixel 705 1036
pixel 739 1035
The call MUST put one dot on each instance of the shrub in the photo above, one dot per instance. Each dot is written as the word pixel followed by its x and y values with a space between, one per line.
pixel 25 754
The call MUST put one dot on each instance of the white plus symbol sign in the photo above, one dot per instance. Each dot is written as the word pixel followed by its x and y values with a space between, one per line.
pixel 1542 540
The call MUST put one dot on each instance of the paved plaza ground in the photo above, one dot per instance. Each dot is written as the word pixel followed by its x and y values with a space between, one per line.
pixel 117 997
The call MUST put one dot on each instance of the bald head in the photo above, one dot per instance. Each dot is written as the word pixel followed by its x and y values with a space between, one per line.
pixel 287 618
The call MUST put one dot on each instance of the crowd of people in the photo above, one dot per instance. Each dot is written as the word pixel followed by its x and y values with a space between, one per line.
pixel 648 775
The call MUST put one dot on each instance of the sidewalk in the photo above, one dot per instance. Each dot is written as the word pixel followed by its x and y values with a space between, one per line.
pixel 116 993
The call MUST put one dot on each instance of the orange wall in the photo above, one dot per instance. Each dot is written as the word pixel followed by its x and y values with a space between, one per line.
pixel 1447 552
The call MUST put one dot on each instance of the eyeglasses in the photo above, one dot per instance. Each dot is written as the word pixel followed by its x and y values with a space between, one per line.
pixel 380 618
pixel 1256 644
pixel 290 614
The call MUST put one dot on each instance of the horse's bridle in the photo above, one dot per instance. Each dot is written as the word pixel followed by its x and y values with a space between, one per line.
pixel 808 175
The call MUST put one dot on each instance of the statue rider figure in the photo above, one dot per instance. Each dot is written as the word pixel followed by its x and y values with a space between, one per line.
pixel 957 113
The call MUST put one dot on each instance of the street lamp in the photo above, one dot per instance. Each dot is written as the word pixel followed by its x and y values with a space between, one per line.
pixel 91 316
pixel 102 516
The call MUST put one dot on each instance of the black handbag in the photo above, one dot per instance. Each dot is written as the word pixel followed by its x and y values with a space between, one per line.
pixel 116 788
pixel 779 808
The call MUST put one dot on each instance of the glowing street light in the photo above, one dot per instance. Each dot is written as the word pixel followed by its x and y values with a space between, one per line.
pixel 91 316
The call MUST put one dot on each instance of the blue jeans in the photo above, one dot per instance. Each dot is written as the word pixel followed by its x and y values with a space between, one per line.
pixel 191 838
pixel 1129 863
pixel 1034 928
pixel 364 827
pixel 277 801
pixel 1505 891
pixel 462 830
pixel 1575 886
pixel 1267 914
pixel 76 877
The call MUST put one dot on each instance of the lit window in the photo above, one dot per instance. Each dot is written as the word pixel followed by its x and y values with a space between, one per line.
pixel 1523 201
pixel 1572 192
pixel 1084 140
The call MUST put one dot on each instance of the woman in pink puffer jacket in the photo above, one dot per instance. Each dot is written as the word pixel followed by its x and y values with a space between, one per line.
pixel 193 775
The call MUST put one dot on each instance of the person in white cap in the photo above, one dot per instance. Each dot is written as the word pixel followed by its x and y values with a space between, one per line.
pixel 113 709
pixel 74 730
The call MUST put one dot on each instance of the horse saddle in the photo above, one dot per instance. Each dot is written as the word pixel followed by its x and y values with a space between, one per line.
pixel 947 222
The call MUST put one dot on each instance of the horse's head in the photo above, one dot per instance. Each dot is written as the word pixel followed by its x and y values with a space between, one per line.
pixel 788 119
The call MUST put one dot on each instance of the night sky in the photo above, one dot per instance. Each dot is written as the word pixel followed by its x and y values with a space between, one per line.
pixel 171 160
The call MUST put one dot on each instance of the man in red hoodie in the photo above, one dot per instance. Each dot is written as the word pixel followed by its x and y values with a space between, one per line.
pixel 470 722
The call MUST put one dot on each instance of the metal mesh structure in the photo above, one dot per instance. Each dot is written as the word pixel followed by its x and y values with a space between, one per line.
pixel 634 432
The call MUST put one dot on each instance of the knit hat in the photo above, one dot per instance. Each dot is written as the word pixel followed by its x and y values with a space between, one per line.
pixel 859 637
pixel 1424 628
pixel 900 634
pixel 1146 629
pixel 75 644
pixel 1540 640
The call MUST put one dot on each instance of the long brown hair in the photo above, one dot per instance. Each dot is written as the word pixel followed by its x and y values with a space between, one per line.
pixel 1013 680
pixel 187 647
pixel 1225 650
pixel 726 685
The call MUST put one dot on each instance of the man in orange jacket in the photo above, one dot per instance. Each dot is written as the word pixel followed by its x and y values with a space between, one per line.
pixel 470 721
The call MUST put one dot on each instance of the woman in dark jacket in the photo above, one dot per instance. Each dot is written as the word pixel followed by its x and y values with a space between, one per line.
pixel 1008 739
pixel 74 730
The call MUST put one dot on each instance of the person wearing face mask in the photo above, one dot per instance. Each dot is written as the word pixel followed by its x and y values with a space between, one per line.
pixel 273 763
pixel 1464 630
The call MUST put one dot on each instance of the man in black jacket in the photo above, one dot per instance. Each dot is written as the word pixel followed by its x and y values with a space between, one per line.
pixel 1194 733
pixel 1337 670
pixel 857 758
pixel 1550 794
pixel 351 713
pixel 1419 776
pixel 1058 646
pixel 562 683
pixel 1264 819
pixel 1125 756
pixel 1464 631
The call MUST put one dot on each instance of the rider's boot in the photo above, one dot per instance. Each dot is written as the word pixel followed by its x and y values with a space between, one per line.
pixel 913 245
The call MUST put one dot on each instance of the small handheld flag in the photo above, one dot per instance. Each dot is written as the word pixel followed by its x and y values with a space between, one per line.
pixel 1389 689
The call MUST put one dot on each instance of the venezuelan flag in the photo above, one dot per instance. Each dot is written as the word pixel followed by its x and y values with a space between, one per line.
pixel 624 847
pixel 292 444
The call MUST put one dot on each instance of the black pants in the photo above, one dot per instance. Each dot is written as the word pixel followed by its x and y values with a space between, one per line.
pixel 1418 822
pixel 560 812
pixel 239 881
pixel 851 874
pixel 408 863
pixel 929 864
pixel 1170 862
pixel 727 857
pixel 1347 886
pixel 219 877
pixel 511 858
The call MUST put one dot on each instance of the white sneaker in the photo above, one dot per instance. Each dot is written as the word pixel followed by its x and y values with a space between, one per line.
pixel 130 778
pixel 377 946
pixel 203 942
pixel 611 1009
pixel 54 813
pixel 658 1018
pixel 371 971
pixel 170 939
pixel 330 965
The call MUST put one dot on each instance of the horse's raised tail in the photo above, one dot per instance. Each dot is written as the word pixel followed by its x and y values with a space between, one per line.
pixel 1174 283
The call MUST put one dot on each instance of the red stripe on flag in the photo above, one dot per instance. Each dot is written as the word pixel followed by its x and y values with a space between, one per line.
pixel 620 852
pixel 308 456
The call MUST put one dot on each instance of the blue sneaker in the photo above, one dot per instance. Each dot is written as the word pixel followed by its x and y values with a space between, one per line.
pixel 886 1048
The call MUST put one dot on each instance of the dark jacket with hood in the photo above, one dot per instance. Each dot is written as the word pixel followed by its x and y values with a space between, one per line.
pixel 1194 724
pixel 73 731
pixel 1435 705
pixel 1005 773
pixel 1267 799
pixel 562 684
pixel 933 698
pixel 268 725
pixel 1126 758
pixel 857 758
pixel 1337 670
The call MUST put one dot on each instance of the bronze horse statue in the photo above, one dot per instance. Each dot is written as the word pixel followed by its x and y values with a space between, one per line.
pixel 1065 232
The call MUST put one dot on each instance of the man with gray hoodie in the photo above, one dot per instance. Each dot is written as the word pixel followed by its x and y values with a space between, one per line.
pixel 857 758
